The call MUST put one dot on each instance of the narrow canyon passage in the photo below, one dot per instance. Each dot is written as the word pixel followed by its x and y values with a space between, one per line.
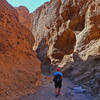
pixel 59 33
pixel 46 92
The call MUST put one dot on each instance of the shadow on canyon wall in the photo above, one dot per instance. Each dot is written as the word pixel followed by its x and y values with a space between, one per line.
pixel 92 64
pixel 86 72
pixel 46 67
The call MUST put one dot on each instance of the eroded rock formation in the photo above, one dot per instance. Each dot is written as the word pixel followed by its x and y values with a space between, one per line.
pixel 19 66
pixel 72 32
pixel 48 23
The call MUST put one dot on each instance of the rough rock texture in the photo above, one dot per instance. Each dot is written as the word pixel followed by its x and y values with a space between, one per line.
pixel 71 29
pixel 48 24
pixel 24 17
pixel 42 55
pixel 19 66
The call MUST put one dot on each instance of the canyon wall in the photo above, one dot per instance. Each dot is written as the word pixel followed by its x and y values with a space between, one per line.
pixel 69 32
pixel 19 66
pixel 25 18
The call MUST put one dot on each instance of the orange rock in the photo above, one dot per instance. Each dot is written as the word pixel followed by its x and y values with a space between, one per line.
pixel 94 34
pixel 24 17
pixel 64 45
pixel 19 66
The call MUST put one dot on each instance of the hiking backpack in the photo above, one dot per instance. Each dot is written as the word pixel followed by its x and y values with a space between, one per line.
pixel 57 78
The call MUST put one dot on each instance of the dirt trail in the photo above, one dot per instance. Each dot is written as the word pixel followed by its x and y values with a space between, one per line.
pixel 46 92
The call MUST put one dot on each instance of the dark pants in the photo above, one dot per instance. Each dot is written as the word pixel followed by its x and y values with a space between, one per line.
pixel 58 85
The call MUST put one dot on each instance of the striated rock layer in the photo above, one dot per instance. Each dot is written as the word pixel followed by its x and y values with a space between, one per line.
pixel 71 29
pixel 19 66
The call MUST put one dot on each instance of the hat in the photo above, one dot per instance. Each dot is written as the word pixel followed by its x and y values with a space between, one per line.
pixel 58 69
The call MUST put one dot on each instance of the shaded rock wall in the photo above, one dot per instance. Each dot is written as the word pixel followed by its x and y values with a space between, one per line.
pixel 19 66
pixel 42 55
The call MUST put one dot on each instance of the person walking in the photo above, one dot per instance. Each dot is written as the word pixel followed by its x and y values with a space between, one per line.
pixel 58 76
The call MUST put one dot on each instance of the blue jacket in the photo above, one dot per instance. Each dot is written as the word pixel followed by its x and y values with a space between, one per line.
pixel 56 73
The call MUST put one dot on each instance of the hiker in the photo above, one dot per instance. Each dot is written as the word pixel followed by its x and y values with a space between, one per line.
pixel 58 81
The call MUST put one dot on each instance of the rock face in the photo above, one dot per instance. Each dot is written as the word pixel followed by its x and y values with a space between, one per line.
pixel 49 24
pixel 24 17
pixel 71 29
pixel 19 66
